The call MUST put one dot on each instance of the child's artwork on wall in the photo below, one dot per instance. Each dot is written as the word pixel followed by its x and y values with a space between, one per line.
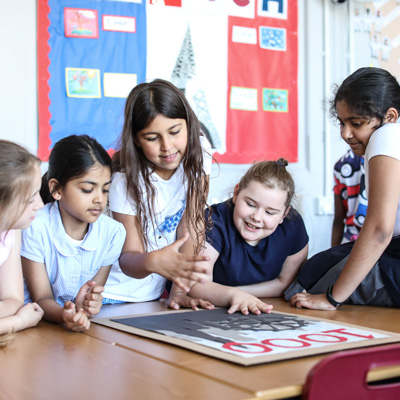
pixel 235 60
pixel 80 23
pixel 82 82
pixel 249 339
pixel 376 33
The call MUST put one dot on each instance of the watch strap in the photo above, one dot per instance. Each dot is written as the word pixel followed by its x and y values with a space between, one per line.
pixel 331 299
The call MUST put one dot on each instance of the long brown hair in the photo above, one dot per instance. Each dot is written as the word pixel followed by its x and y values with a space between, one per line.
pixel 145 102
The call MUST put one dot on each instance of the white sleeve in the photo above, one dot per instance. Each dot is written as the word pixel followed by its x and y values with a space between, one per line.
pixel 385 141
pixel 207 157
pixel 119 199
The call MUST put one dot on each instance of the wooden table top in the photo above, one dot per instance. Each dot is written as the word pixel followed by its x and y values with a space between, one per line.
pixel 265 381
pixel 50 362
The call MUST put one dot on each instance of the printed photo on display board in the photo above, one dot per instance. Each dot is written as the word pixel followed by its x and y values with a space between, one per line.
pixel 235 60
pixel 249 339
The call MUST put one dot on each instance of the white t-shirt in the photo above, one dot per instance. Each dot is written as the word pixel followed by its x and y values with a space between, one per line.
pixel 384 141
pixel 170 203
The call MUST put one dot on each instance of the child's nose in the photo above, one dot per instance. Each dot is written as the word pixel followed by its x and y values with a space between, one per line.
pixel 166 144
pixel 346 133
pixel 39 203
pixel 256 215
pixel 99 197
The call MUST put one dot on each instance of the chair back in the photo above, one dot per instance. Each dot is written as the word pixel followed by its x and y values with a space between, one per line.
pixel 343 375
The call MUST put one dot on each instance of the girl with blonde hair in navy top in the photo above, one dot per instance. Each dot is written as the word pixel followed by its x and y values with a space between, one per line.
pixel 257 242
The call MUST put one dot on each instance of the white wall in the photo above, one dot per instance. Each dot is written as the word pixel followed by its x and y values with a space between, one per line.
pixel 18 100
pixel 319 142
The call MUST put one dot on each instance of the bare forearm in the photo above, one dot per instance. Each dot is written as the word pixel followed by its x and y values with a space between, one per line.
pixel 274 288
pixel 337 232
pixel 10 324
pixel 366 252
pixel 53 312
pixel 137 265
pixel 8 307
pixel 219 295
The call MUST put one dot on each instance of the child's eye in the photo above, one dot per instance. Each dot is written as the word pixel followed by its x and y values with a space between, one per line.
pixel 86 190
pixel 250 204
pixel 151 139
pixel 106 191
pixel 175 132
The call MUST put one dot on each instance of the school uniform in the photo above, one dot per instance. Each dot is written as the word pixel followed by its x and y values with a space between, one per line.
pixel 238 262
pixel 69 265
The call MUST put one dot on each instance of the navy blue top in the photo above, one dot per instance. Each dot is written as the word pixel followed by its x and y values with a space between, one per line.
pixel 242 264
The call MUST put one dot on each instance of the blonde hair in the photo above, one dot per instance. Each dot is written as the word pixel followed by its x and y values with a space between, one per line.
pixel 6 339
pixel 272 174
pixel 17 168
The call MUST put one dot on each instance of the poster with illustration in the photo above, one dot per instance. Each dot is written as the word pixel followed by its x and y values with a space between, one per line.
pixel 235 60
pixel 249 339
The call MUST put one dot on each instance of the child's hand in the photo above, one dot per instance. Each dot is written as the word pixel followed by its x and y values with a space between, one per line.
pixel 313 301
pixel 29 314
pixel 245 302
pixel 93 301
pixel 89 298
pixel 181 299
pixel 174 265
pixel 75 321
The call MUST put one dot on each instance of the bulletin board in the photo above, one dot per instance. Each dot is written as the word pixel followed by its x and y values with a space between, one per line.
pixel 235 60
pixel 249 339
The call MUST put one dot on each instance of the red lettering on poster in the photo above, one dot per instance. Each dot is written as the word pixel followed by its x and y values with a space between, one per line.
pixel 303 344
pixel 342 330
pixel 230 345
pixel 300 342
pixel 307 337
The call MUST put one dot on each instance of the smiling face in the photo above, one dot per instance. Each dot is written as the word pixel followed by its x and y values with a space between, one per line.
pixel 164 144
pixel 355 130
pixel 83 199
pixel 35 203
pixel 258 211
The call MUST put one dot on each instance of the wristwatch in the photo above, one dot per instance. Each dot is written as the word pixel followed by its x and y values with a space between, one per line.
pixel 331 299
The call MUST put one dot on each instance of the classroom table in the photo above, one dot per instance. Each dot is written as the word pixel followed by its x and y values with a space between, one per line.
pixel 50 362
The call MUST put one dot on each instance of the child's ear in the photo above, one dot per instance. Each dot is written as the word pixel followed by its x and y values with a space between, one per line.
pixel 235 194
pixel 285 214
pixel 54 190
pixel 391 115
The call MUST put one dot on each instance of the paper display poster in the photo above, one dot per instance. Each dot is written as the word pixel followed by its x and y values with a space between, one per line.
pixel 235 60
pixel 250 339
